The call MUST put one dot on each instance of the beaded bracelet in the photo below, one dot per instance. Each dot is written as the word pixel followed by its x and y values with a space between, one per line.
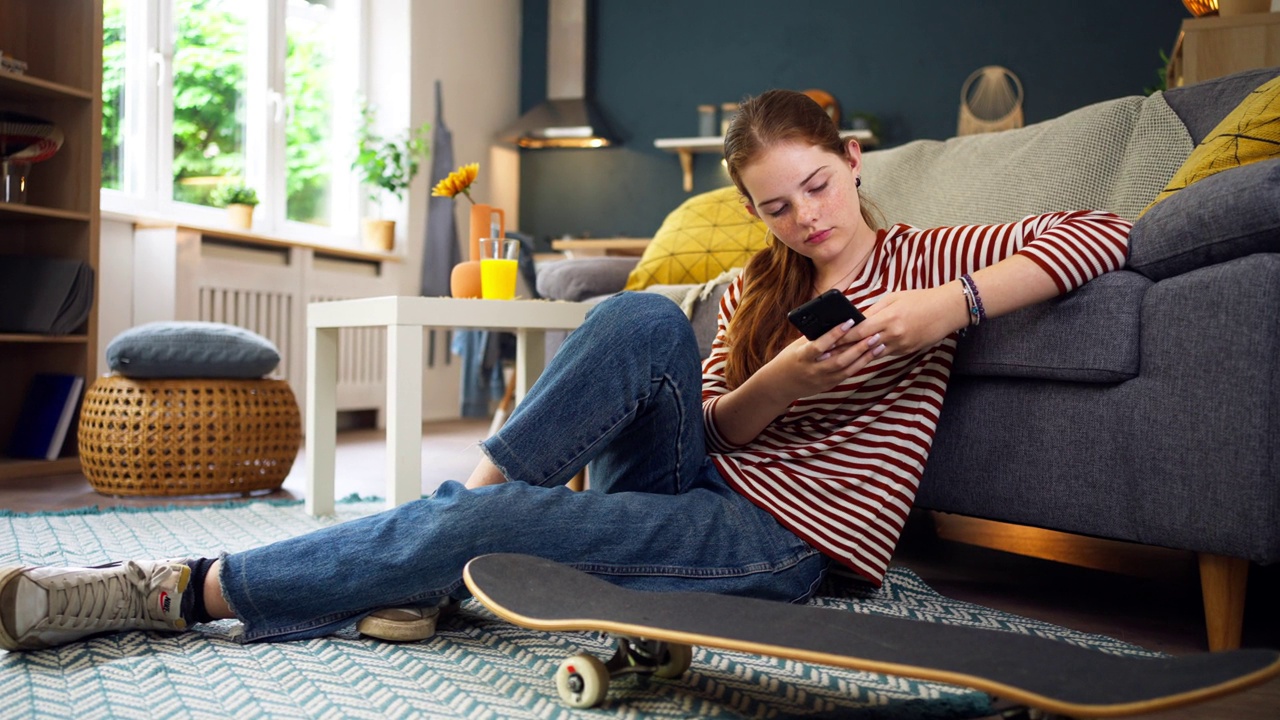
pixel 968 301
pixel 977 313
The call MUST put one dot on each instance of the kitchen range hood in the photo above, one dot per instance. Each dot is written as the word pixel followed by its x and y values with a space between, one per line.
pixel 567 119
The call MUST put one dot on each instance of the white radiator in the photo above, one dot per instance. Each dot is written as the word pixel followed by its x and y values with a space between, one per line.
pixel 188 274
pixel 266 312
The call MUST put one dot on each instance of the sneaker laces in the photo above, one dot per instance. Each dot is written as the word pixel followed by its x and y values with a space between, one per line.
pixel 110 600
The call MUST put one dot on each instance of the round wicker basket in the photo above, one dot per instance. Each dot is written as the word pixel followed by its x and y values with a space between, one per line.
pixel 188 436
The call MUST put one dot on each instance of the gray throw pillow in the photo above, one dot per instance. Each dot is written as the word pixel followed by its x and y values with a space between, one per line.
pixel 1222 217
pixel 191 350
pixel 581 278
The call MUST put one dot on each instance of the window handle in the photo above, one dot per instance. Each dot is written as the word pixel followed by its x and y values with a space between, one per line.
pixel 160 61
pixel 276 101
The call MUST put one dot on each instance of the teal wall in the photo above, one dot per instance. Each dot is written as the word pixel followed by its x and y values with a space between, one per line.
pixel 654 61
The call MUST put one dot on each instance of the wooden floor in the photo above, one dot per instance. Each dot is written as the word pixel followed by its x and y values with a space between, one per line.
pixel 1143 596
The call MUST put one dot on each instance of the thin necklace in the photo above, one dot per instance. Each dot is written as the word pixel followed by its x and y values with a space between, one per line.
pixel 849 274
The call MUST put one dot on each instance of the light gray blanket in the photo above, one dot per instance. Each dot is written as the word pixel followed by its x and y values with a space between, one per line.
pixel 1114 155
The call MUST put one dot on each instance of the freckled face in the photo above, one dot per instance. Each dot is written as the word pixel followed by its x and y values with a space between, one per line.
pixel 807 197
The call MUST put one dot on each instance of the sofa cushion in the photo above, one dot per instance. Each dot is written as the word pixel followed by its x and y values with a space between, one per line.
pixel 706 316
pixel 577 279
pixel 191 350
pixel 1249 133
pixel 1114 155
pixel 1225 216
pixel 706 235
pixel 1203 105
pixel 1088 335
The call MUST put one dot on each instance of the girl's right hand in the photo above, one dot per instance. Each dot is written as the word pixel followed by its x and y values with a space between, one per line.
pixel 808 367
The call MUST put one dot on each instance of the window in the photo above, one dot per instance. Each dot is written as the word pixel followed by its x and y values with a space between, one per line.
pixel 201 94
pixel 210 79
pixel 114 41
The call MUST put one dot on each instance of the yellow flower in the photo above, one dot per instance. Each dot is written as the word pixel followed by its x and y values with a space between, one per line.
pixel 459 181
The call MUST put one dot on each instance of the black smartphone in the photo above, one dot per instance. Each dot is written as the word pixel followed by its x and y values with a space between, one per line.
pixel 824 312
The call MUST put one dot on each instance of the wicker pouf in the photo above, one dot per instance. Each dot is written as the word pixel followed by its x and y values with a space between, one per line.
pixel 188 436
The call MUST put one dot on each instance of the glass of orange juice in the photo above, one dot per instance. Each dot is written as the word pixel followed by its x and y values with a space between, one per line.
pixel 498 263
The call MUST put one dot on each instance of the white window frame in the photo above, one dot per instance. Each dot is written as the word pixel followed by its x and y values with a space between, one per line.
pixel 147 170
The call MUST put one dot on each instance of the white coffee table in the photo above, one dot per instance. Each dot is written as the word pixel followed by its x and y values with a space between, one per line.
pixel 405 318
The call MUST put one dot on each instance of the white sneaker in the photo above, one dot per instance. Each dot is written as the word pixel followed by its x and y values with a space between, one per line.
pixel 401 624
pixel 43 607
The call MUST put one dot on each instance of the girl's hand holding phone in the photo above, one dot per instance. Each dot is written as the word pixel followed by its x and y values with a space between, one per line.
pixel 829 353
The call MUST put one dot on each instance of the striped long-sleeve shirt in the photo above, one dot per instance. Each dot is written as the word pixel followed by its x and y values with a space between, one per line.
pixel 841 468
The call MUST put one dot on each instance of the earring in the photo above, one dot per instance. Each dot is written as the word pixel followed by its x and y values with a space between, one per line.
pixel 857 182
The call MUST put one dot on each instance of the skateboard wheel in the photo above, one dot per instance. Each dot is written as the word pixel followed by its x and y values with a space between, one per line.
pixel 679 658
pixel 582 681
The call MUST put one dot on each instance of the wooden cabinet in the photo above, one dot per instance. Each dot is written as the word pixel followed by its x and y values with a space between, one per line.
pixel 61 42
pixel 1211 47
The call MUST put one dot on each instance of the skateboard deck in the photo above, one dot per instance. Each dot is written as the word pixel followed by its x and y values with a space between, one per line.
pixel 653 632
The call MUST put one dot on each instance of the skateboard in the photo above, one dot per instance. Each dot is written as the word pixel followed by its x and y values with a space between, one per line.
pixel 654 631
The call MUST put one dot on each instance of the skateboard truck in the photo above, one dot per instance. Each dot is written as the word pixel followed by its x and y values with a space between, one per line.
pixel 583 680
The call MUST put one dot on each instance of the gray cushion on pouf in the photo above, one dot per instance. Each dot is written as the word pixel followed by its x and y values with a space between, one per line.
pixel 191 350
pixel 1222 217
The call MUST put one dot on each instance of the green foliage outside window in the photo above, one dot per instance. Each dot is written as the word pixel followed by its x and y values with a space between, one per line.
pixel 308 133
pixel 112 93
pixel 208 100
pixel 209 87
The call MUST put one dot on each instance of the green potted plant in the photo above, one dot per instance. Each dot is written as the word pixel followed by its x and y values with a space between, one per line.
pixel 239 200
pixel 386 165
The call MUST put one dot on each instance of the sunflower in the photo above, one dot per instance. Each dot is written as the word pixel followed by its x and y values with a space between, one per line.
pixel 459 181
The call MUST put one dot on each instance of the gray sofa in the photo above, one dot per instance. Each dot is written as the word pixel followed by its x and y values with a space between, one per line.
pixel 1143 407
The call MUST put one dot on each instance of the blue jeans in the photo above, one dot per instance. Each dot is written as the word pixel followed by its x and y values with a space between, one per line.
pixel 623 394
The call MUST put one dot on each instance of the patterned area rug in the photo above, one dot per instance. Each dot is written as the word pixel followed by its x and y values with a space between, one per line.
pixel 476 667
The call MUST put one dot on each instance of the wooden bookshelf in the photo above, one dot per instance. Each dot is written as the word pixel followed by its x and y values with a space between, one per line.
pixel 61 42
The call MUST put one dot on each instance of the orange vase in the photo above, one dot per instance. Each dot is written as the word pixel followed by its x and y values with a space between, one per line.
pixel 464 281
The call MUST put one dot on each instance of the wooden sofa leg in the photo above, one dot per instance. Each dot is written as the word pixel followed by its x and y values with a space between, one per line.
pixel 1222 585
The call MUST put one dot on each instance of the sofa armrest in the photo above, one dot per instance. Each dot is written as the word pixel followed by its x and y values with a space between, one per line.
pixel 581 278
pixel 1180 456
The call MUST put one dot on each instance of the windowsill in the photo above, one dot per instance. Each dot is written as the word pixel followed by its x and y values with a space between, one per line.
pixel 250 237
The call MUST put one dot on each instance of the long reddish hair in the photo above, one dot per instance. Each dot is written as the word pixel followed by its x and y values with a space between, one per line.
pixel 777 278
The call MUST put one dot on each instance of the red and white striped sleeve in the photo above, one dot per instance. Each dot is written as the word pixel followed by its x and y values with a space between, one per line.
pixel 1071 247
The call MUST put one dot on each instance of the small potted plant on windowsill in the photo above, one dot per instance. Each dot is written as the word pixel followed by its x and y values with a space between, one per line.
pixel 386 166
pixel 239 200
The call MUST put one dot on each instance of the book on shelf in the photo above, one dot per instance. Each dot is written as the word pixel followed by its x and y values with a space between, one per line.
pixel 46 416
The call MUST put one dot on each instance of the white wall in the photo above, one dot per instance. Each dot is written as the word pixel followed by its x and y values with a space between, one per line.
pixel 474 50
pixel 115 277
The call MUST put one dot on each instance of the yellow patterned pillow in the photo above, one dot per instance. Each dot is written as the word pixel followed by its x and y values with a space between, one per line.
pixel 1248 134
pixel 706 235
